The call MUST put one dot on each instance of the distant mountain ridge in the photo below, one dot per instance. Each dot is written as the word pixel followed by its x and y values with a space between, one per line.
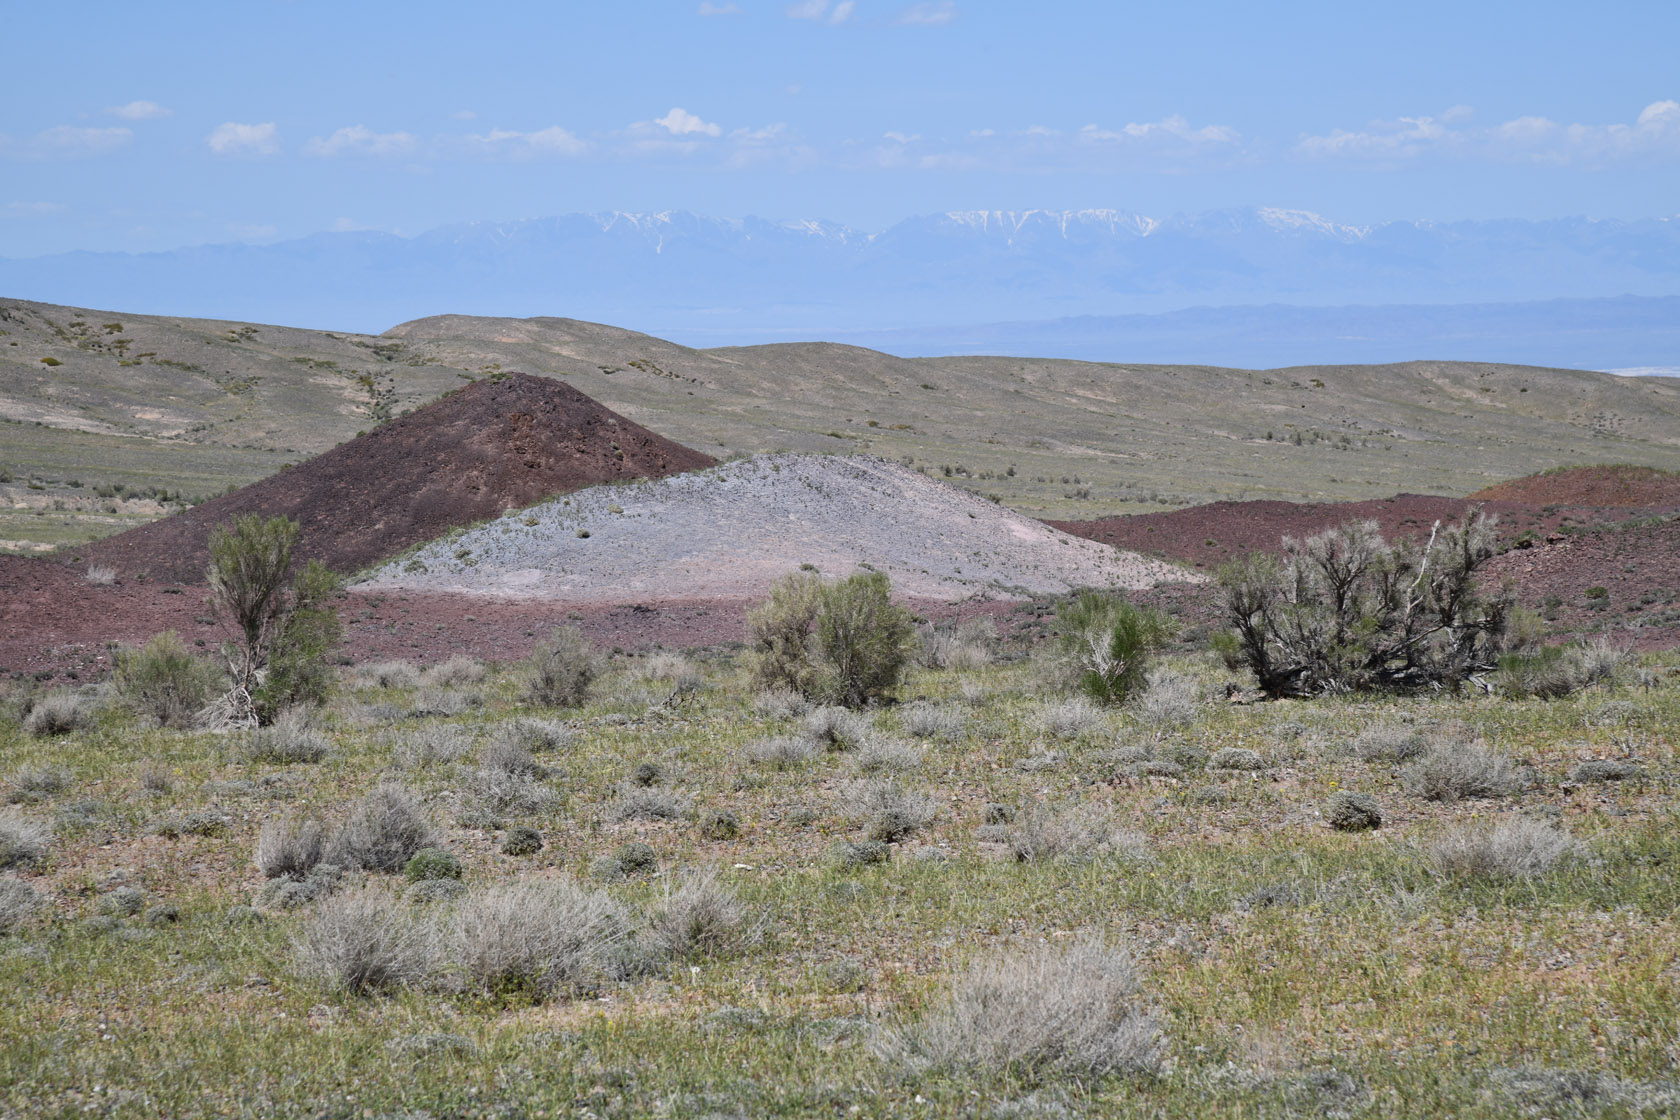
pixel 714 280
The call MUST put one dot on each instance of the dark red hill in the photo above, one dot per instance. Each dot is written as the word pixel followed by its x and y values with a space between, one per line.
pixel 494 445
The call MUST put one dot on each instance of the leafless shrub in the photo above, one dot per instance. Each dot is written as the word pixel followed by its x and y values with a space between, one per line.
pixel 288 739
pixel 922 720
pixel 366 940
pixel 510 756
pixel 1074 718
pixel 969 645
pixel 677 675
pixel 387 674
pixel 23 840
pixel 544 938
pixel 18 903
pixel 836 729
pixel 538 736
pixel 882 755
pixel 1599 662
pixel 1236 758
pixel 1451 769
pixel 640 803
pixel 1070 1012
pixel 1169 699
pixel 290 849
pixel 780 703
pixel 458 670
pixel 443 702
pixel 1078 834
pixel 383 830
pixel 60 713
pixel 886 811
pixel 1389 742
pixel 702 918
pixel 431 745
pixel 781 753
pixel 1515 848
pixel 101 575
pixel 495 791
pixel 38 783
pixel 561 669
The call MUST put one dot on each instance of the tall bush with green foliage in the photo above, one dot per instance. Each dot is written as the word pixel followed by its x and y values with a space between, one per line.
pixel 1345 611
pixel 841 642
pixel 1108 641
pixel 283 634
pixel 165 680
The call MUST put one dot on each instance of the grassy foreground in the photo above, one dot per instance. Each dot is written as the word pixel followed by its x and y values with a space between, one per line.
pixel 1295 970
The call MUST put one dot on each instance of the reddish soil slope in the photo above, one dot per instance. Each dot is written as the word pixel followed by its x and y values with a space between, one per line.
pixel 1640 487
pixel 495 445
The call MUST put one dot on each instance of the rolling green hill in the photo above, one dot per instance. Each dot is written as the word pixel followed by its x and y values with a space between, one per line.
pixel 91 401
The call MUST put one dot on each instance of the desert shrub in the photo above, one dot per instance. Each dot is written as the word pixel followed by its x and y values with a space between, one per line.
pixel 122 902
pixel 1068 1012
pixel 784 752
pixel 675 675
pixel 922 720
pixel 702 918
pixel 1389 742
pixel 288 739
pixel 1169 698
pixel 843 642
pixel 443 702
pixel 522 840
pixel 540 938
pixel 835 728
pixel 537 736
pixel 18 903
pixel 971 644
pixel 388 674
pixel 1604 770
pixel 37 783
pixel 59 713
pixel 1345 611
pixel 1549 672
pixel 1106 642
pixel 1074 835
pixel 1515 848
pixel 101 575
pixel 383 830
pixel 634 858
pixel 283 636
pixel 636 803
pixel 196 822
pixel 881 755
pixel 431 863
pixel 493 791
pixel 886 811
pixel 561 669
pixel 507 754
pixel 780 703
pixel 363 941
pixel 849 856
pixel 165 680
pixel 719 824
pixel 290 849
pixel 1451 769
pixel 1348 811
pixel 433 744
pixel 1076 718
pixel 1236 758
pixel 459 669
pixel 23 839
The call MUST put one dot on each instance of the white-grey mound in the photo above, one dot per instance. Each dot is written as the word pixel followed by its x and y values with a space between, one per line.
pixel 729 531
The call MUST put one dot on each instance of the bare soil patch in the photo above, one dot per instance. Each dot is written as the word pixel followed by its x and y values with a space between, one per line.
pixel 1617 486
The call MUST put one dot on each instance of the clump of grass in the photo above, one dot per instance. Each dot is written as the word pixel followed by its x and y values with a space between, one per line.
pixel 719 824
pixel 387 674
pixel 886 811
pixel 780 703
pixel 432 744
pixel 1072 1013
pixel 1348 811
pixel 836 729
pixel 60 713
pixel 288 739
pixel 384 830
pixel 37 783
pixel 1074 718
pixel 784 752
pixel 633 858
pixel 640 803
pixel 881 755
pixel 19 902
pixel 1169 698
pixel 289 848
pixel 492 790
pixel 101 575
pixel 365 940
pixel 509 756
pixel 561 669
pixel 1077 834
pixel 702 918
pixel 970 644
pixel 458 670
pixel 1515 848
pixel 165 680
pixel 538 937
pixel 1451 770
pixel 443 702
pixel 537 736
pixel 1389 742
pixel 1236 758
pixel 922 720
pixel 23 839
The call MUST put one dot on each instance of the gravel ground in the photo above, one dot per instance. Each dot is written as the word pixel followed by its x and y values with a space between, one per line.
pixel 731 530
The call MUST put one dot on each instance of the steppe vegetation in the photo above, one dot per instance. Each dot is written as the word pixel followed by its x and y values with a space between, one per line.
pixel 662 884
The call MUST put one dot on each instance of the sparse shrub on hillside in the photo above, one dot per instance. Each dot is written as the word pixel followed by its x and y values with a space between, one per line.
pixel 923 720
pixel 881 755
pixel 562 669
pixel 538 736
pixel 1348 811
pixel 23 839
pixel 1077 834
pixel 1169 698
pixel 1105 642
pixel 835 728
pixel 59 713
pixel 384 830
pixel 971 644
pixel 19 902
pixel 101 575
pixel 702 918
pixel 1070 1012
pixel 288 739
pixel 1076 718
pixel 458 670
pixel 886 811
pixel 1389 742
pixel 365 941
pixel 784 752
pixel 290 849
pixel 37 783
pixel 282 635
pixel 1344 611
pixel 636 803
pixel 843 642
pixel 1515 848
pixel 1549 672
pixel 432 744
pixel 780 703
pixel 165 680
pixel 538 937
pixel 1450 770
pixel 387 674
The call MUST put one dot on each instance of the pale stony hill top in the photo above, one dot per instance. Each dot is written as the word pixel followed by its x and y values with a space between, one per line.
pixel 730 531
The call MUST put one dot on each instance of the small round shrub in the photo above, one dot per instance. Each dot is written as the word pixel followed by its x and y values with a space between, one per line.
pixel 1604 770
pixel 1353 812
pixel 522 840
pixel 124 902
pixel 719 824
pixel 1236 758
pixel 431 863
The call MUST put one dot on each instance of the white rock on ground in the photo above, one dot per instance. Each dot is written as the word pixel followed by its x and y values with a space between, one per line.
pixel 731 530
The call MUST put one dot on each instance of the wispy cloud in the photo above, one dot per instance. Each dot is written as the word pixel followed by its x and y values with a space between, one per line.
pixel 1655 132
pixel 819 11
pixel 1172 129
pixel 551 141
pixel 463 115
pixel 140 111
pixel 932 13
pixel 680 122
pixel 707 8
pixel 34 209
pixel 362 141
pixel 67 141
pixel 234 139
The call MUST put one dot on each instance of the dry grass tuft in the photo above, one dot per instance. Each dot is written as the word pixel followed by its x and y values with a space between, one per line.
pixel 887 812
pixel 702 918
pixel 384 830
pixel 290 849
pixel 365 940
pixel 1078 834
pixel 1451 770
pixel 539 937
pixel 1515 848
pixel 23 839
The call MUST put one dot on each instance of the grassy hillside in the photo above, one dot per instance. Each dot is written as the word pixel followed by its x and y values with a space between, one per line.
pixel 227 403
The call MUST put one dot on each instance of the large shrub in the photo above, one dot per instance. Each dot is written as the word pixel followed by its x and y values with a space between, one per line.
pixel 843 642
pixel 1108 641
pixel 165 680
pixel 1345 611
pixel 562 669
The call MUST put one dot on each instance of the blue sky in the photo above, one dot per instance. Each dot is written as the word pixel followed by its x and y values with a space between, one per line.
pixel 137 127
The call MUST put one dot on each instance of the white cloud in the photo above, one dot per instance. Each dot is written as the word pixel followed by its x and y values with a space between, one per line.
pixel 361 141
pixel 349 225
pixel 931 13
pixel 233 139
pixel 901 137
pixel 35 209
pixel 707 8
pixel 140 111
pixel 1174 127
pixel 1040 130
pixel 1528 139
pixel 463 115
pixel 262 232
pixel 818 11
pixel 1405 137
pixel 680 122
pixel 66 140
pixel 552 141
pixel 981 133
